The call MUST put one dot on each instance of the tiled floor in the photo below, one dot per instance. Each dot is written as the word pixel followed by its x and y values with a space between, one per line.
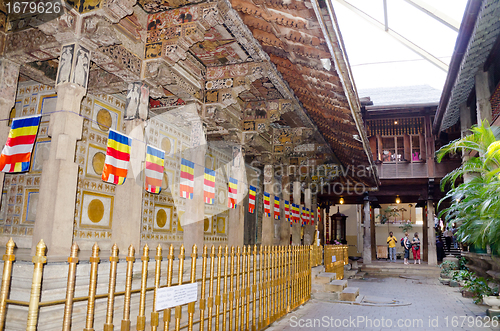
pixel 425 304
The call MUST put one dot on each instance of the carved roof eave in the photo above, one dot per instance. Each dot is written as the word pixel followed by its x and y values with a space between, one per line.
pixel 336 47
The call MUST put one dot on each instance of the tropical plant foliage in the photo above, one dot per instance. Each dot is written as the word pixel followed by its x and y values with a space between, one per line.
pixel 475 204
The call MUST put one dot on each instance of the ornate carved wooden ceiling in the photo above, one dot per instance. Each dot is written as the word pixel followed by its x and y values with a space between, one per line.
pixel 256 66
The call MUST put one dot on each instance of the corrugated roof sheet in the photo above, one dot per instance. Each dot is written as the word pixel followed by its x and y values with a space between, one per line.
pixel 402 95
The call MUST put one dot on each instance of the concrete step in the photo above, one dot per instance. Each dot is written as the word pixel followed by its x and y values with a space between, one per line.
pixel 336 285
pixel 317 270
pixel 397 269
pixel 349 294
pixel 324 278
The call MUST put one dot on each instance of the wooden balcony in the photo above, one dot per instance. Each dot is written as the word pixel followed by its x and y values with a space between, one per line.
pixel 404 170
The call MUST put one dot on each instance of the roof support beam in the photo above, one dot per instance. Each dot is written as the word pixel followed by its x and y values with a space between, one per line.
pixel 386 19
pixel 436 14
pixel 420 51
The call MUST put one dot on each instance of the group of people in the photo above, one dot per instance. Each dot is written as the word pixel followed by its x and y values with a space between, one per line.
pixel 414 244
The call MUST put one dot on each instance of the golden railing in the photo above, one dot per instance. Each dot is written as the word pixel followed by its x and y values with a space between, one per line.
pixel 336 256
pixel 316 255
pixel 248 287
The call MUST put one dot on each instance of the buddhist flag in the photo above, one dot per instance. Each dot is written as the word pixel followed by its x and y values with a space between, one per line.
pixel 155 161
pixel 303 216
pixel 287 210
pixel 232 193
pixel 16 154
pixel 209 186
pixel 117 158
pixel 276 208
pixel 308 215
pixel 319 215
pixel 186 186
pixel 294 212
pixel 267 204
pixel 252 192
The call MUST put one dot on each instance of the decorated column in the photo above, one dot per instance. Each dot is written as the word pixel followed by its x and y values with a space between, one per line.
pixel 367 240
pixel 267 219
pixel 56 204
pixel 308 228
pixel 194 215
pixel 297 226
pixel 127 211
pixel 236 222
pixel 9 74
pixel 285 229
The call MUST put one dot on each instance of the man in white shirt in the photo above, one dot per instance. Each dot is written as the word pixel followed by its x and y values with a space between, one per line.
pixel 448 235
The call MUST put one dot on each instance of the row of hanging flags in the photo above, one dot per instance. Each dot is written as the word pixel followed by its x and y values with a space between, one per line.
pixel 307 216
pixel 16 156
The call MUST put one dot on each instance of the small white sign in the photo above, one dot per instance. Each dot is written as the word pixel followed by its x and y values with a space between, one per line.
pixel 168 297
pixel 334 258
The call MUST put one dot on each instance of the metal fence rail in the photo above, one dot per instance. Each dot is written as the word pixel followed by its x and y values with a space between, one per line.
pixel 336 256
pixel 248 287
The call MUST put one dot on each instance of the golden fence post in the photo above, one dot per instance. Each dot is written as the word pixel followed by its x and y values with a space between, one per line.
pixel 247 294
pixel 178 309
pixel 39 260
pixel 70 288
pixel 217 289
pixel 141 318
pixel 94 261
pixel 8 258
pixel 194 257
pixel 261 288
pixel 237 292
pixel 289 279
pixel 268 286
pixel 295 277
pixel 125 325
pixel 170 272
pixel 274 283
pixel 283 281
pixel 210 301
pixel 244 263
pixel 155 316
pixel 231 290
pixel 203 284
pixel 224 296
pixel 278 282
pixel 254 288
pixel 113 260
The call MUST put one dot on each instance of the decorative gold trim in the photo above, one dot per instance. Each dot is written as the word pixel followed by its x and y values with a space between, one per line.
pixel 87 226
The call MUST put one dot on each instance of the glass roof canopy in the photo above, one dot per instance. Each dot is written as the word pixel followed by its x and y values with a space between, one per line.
pixel 399 43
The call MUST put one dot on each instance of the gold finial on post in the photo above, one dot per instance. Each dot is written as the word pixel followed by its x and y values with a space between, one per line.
pixel 191 305
pixel 224 295
pixel 155 320
pixel 203 285
pixel 39 260
pixel 170 271
pixel 94 261
pixel 113 260
pixel 210 300
pixel 8 258
pixel 231 289
pixel 70 287
pixel 180 272
pixel 141 318
pixel 125 326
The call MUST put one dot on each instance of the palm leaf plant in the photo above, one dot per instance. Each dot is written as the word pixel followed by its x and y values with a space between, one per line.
pixel 475 203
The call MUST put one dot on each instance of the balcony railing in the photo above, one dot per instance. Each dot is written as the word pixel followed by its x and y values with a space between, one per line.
pixel 402 170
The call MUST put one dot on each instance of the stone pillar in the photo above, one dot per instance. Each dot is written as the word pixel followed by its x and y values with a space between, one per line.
pixel 56 205
pixel 236 223
pixel 9 74
pixel 308 228
pixel 194 217
pixel 296 227
pixel 483 95
pixel 431 235
pixel 367 241
pixel 285 228
pixel 268 221
pixel 127 211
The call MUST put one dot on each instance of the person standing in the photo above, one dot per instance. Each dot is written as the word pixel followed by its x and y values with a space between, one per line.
pixel 415 247
pixel 455 240
pixel 448 235
pixel 391 241
pixel 407 246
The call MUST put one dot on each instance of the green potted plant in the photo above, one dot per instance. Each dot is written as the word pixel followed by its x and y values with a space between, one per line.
pixel 474 204
pixel 387 213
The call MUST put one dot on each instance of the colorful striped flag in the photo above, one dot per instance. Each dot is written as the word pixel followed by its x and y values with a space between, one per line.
pixel 155 161
pixel 308 216
pixel 277 213
pixel 303 216
pixel 252 192
pixel 319 215
pixel 267 204
pixel 16 154
pixel 209 186
pixel 232 193
pixel 294 212
pixel 117 158
pixel 186 186
pixel 287 210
